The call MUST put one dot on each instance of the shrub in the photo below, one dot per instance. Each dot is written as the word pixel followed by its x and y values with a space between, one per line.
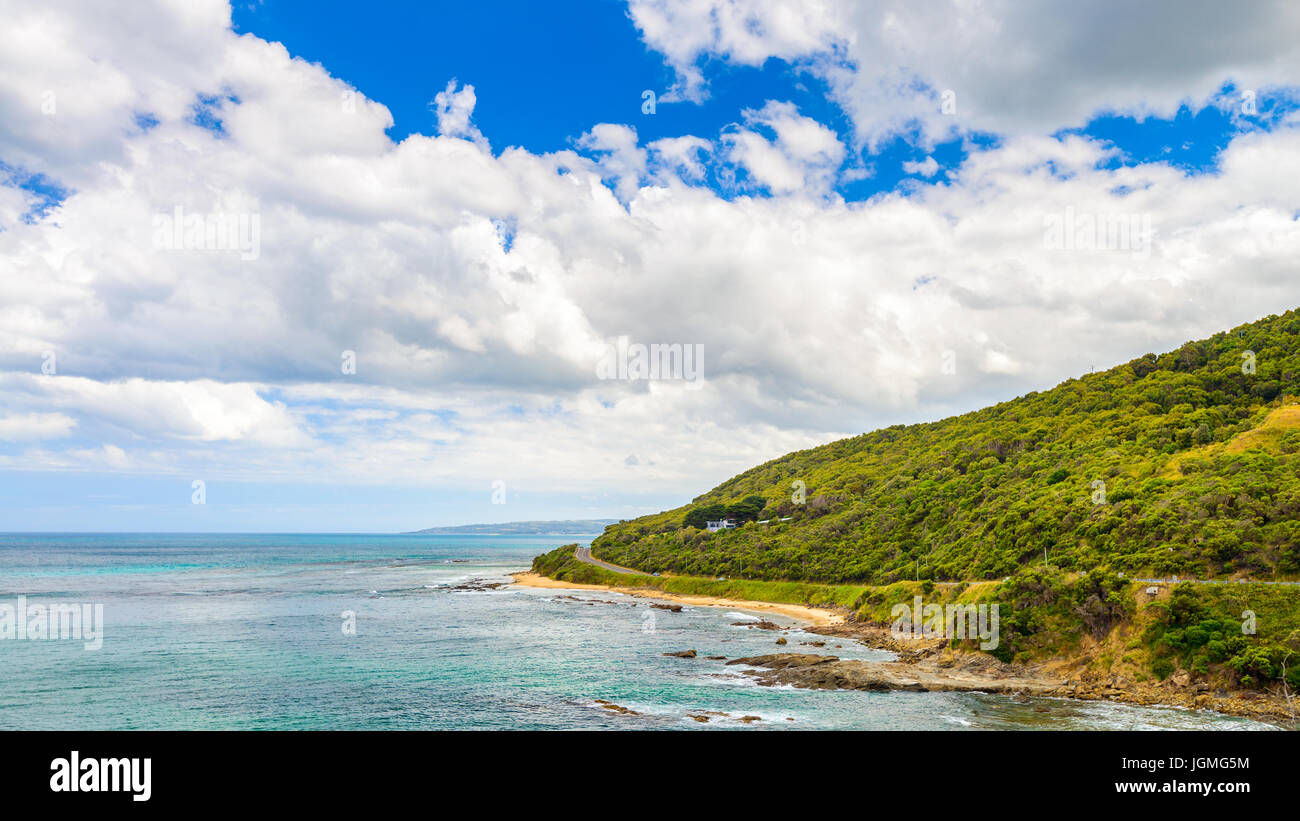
pixel 1162 668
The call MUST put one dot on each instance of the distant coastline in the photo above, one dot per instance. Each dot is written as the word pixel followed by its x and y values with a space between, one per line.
pixel 558 527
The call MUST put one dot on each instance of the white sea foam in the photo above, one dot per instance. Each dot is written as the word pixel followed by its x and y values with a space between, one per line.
pixel 453 580
pixel 735 677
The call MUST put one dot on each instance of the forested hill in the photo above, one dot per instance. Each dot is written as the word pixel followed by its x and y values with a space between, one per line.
pixel 1184 463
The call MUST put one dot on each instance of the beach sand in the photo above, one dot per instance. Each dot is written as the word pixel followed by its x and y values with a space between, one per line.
pixel 815 616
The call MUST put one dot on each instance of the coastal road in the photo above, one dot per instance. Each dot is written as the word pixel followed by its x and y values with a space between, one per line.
pixel 1209 581
pixel 583 554
pixel 1151 581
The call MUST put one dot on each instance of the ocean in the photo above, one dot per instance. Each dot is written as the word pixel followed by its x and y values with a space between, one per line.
pixel 252 632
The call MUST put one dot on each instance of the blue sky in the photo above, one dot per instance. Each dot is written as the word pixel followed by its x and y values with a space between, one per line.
pixel 803 203
pixel 542 83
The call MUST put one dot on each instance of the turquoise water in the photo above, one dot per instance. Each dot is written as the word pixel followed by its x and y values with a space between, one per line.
pixel 245 632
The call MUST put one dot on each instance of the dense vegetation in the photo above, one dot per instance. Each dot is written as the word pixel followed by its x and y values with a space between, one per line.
pixel 1185 463
pixel 746 510
pixel 1199 628
pixel 1046 611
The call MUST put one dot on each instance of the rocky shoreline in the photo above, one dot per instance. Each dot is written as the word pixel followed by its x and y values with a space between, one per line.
pixel 815 672
pixel 930 665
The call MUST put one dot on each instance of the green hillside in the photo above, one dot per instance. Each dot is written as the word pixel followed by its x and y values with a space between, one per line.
pixel 1200 461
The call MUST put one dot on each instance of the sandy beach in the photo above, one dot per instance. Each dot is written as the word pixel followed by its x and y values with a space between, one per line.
pixel 815 616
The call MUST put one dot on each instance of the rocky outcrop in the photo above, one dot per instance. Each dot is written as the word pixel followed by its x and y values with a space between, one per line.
pixel 977 672
pixel 783 661
pixel 682 654
pixel 476 586
pixel 587 602
pixel 615 708
pixel 880 637
pixel 1182 690
pixel 758 625
pixel 816 672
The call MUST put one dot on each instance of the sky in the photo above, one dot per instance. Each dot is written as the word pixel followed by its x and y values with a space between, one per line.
pixel 290 266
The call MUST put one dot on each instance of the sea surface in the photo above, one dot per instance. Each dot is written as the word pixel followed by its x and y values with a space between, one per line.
pixel 247 632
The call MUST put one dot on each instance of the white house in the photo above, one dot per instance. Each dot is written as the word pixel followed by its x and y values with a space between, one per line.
pixel 720 524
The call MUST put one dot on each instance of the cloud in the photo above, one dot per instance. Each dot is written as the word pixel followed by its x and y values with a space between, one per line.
pixel 621 159
pixel 926 168
pixel 803 154
pixel 747 33
pixel 477 291
pixel 680 158
pixel 453 109
pixel 1012 67
pixel 35 426
pixel 202 410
